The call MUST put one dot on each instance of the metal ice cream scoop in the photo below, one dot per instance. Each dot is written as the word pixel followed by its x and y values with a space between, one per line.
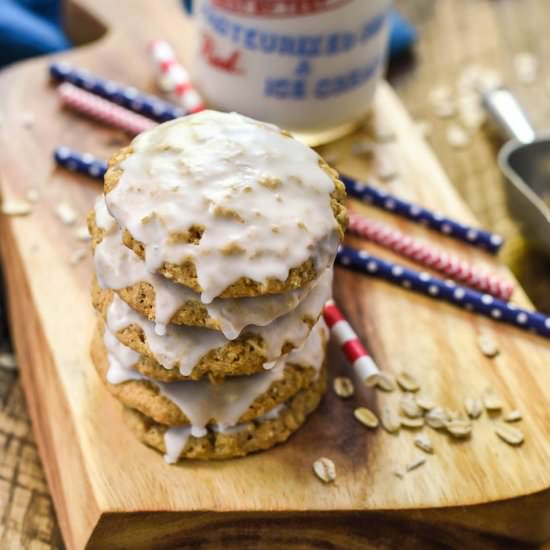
pixel 525 161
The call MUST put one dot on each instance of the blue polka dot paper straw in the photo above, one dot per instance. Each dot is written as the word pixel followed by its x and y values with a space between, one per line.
pixel 83 163
pixel 381 199
pixel 449 291
pixel 127 96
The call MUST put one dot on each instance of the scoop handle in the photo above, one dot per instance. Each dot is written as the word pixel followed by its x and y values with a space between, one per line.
pixel 507 112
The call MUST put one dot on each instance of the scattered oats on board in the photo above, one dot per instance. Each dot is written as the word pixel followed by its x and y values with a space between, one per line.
pixel 491 400
pixel 362 148
pixel 8 361
pixel 487 345
pixel 470 111
pixel 526 67
pixel 399 473
pixel 423 128
pixel 473 407
pixel 440 93
pixel 424 443
pixel 441 99
pixel 82 233
pixel 366 417
pixel 411 423
pixel 424 401
pixel 476 78
pixel 408 406
pixel 390 420
pixel 507 433
pixel 452 414
pixel 66 213
pixel 331 157
pixel 382 133
pixel 436 418
pixel 77 256
pixel 457 137
pixel 16 207
pixel 459 429
pixel 444 109
pixel 32 195
pixel 407 381
pixel 343 387
pixel 325 469
pixel 27 120
pixel 420 461
pixel 489 79
pixel 385 169
pixel 512 416
pixel 382 381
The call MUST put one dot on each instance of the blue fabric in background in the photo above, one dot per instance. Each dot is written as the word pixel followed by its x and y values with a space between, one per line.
pixel 402 34
pixel 29 28
pixel 33 27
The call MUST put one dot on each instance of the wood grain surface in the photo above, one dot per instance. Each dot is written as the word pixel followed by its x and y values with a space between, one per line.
pixel 445 502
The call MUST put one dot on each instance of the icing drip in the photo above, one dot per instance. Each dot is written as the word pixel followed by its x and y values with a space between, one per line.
pixel 203 402
pixel 186 345
pixel 121 359
pixel 261 199
pixel 175 439
pixel 183 345
pixel 235 314
pixel 118 267
pixel 312 351
pixel 103 218
pixel 273 413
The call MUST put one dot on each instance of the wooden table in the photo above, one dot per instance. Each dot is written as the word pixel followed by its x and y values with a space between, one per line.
pixel 453 34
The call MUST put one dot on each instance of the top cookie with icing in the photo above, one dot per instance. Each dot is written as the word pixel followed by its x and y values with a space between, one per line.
pixel 227 206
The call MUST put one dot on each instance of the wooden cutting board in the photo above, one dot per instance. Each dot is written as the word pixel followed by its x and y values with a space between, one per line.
pixel 111 492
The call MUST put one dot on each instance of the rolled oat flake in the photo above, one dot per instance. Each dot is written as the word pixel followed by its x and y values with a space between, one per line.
pixel 325 469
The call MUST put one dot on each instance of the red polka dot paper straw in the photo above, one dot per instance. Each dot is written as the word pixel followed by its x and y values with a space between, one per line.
pixel 103 110
pixel 175 78
pixel 429 256
pixel 349 342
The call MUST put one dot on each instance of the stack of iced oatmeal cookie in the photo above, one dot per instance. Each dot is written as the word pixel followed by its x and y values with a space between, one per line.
pixel 213 248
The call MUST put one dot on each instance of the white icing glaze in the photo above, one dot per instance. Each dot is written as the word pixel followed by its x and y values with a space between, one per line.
pixel 273 413
pixel 186 345
pixel 256 192
pixel 225 403
pixel 203 402
pixel 118 267
pixel 103 219
pixel 312 352
pixel 183 345
pixel 121 359
pixel 238 427
pixel 175 439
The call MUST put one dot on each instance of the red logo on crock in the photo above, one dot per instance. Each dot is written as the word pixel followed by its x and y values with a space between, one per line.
pixel 278 8
pixel 228 63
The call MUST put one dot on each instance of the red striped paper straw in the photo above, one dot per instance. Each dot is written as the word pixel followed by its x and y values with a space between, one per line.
pixel 428 256
pixel 103 110
pixel 175 79
pixel 349 342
